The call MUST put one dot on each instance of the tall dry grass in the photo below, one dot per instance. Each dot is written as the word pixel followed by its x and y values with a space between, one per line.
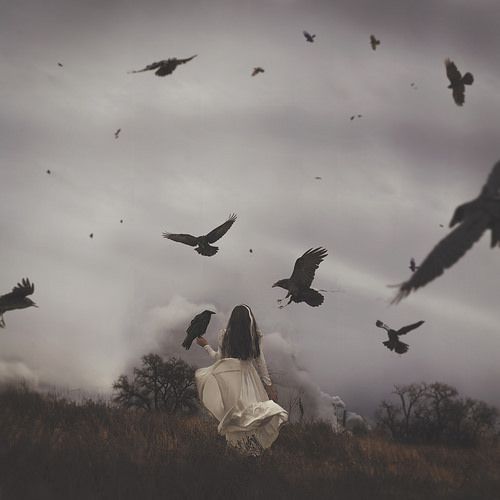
pixel 51 448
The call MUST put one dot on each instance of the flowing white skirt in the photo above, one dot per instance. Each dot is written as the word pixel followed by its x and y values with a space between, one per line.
pixel 232 391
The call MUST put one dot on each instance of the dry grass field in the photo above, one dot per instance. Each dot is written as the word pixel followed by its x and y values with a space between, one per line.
pixel 51 448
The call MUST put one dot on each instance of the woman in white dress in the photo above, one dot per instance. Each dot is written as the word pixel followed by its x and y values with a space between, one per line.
pixel 237 388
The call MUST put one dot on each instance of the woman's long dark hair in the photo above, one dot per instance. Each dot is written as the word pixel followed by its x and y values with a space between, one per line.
pixel 241 339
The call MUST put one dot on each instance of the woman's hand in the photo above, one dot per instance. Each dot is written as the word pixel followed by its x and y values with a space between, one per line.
pixel 201 341
pixel 271 392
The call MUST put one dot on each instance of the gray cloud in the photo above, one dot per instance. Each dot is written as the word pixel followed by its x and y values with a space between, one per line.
pixel 209 140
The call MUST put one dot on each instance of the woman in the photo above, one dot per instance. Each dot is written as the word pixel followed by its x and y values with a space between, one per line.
pixel 237 388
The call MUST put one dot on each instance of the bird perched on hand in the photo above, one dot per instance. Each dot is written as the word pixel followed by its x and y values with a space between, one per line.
pixel 394 344
pixel 374 42
pixel 165 67
pixel 413 267
pixel 197 328
pixel 299 283
pixel 117 133
pixel 257 70
pixel 473 219
pixel 309 37
pixel 457 81
pixel 17 299
pixel 202 243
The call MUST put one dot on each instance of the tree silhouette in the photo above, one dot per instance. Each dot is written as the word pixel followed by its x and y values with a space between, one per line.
pixel 158 385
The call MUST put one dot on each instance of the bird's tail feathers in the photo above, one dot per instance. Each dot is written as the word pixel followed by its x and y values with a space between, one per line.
pixel 187 343
pixel 207 250
pixel 467 79
pixel 313 297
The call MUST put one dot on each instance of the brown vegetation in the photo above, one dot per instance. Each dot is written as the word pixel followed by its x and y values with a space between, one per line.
pixel 51 448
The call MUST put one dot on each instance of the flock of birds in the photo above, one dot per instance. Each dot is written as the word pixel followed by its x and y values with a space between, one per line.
pixel 472 220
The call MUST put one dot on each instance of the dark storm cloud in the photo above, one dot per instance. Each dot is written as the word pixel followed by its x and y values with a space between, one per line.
pixel 209 140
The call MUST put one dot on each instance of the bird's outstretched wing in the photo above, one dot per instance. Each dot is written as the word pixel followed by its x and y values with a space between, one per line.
pixel 492 186
pixel 305 266
pixel 221 230
pixel 149 67
pixel 408 328
pixel 183 61
pixel 448 251
pixel 21 290
pixel 452 72
pixel 187 239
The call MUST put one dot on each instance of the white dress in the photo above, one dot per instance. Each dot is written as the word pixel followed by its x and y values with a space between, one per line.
pixel 232 390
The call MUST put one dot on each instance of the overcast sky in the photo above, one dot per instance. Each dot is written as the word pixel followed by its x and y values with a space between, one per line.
pixel 209 140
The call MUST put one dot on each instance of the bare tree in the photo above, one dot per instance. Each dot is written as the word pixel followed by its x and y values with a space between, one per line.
pixel 158 385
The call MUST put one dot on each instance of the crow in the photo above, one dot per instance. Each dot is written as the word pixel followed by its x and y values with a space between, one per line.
pixel 165 67
pixel 318 178
pixel 473 219
pixel 202 243
pixel 197 328
pixel 117 133
pixel 49 172
pixel 309 37
pixel 91 235
pixel 394 344
pixel 374 42
pixel 299 283
pixel 250 250
pixel 121 221
pixel 60 64
pixel 257 70
pixel 413 267
pixel 457 81
pixel 17 299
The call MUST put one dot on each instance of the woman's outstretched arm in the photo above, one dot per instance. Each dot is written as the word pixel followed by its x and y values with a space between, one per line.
pixel 215 355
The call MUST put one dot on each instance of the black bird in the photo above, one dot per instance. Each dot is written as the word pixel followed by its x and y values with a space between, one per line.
pixel 257 70
pixel 121 221
pixel 17 299
pixel 299 283
pixel 318 178
pixel 117 133
pixel 197 328
pixel 473 219
pixel 394 344
pixel 91 235
pixel 251 251
pixel 49 172
pixel 165 67
pixel 309 37
pixel 457 81
pixel 60 64
pixel 413 267
pixel 202 243
pixel 374 42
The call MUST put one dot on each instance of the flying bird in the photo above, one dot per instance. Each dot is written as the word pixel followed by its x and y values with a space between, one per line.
pixel 394 344
pixel 17 299
pixel 49 172
pixel 257 70
pixel 165 67
pixel 197 328
pixel 318 178
pixel 91 235
pixel 413 267
pixel 473 219
pixel 60 64
pixel 121 221
pixel 457 81
pixel 309 37
pixel 374 42
pixel 251 251
pixel 117 133
pixel 202 243
pixel 299 284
